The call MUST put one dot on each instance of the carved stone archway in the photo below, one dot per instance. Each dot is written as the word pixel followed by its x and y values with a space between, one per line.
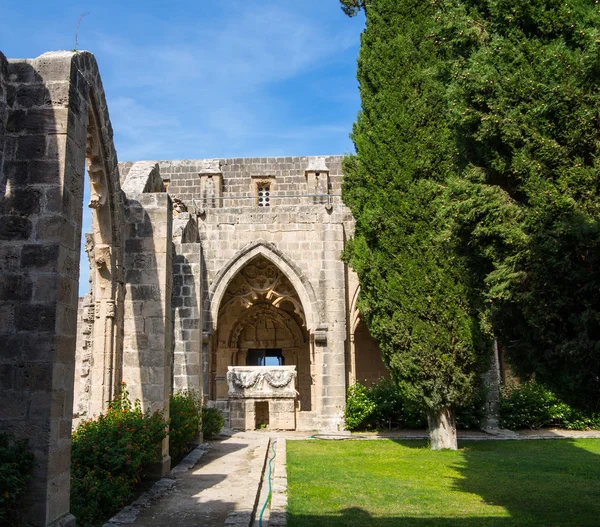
pixel 63 122
pixel 261 309
pixel 306 295
pixel 105 253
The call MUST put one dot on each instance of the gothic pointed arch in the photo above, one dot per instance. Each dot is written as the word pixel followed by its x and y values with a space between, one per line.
pixel 291 271
pixel 279 318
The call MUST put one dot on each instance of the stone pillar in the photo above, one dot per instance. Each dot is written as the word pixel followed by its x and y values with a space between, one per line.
pixel 41 194
pixel 330 351
pixel 205 358
pixel 492 380
pixel 3 110
pixel 148 323
pixel 187 295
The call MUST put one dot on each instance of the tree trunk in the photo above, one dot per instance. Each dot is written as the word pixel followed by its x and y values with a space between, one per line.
pixel 442 429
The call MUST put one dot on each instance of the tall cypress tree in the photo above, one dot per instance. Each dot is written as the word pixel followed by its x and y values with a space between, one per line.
pixel 416 289
pixel 526 119
pixel 498 103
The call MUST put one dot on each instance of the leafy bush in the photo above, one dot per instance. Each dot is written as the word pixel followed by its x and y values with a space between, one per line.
pixel 108 456
pixel 212 422
pixel 16 465
pixel 360 407
pixel 375 407
pixel 531 405
pixel 185 422
pixel 381 407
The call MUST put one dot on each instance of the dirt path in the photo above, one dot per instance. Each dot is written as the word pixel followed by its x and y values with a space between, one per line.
pixel 220 490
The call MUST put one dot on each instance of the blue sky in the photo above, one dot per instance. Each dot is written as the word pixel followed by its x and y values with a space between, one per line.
pixel 208 78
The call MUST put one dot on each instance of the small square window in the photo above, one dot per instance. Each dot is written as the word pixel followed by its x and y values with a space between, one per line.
pixel 264 194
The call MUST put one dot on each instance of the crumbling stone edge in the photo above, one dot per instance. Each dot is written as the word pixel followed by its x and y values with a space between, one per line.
pixel 129 514
pixel 278 515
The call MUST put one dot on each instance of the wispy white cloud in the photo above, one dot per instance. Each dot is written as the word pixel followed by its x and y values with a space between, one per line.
pixel 224 79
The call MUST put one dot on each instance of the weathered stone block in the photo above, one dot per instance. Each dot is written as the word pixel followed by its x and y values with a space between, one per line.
pixel 15 288
pixel 15 228
pixel 35 317
pixel 42 257
pixel 31 147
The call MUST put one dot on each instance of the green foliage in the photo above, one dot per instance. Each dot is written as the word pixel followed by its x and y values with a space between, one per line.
pixel 524 102
pixel 416 288
pixel 475 190
pixel 184 421
pixel 352 7
pixel 212 422
pixel 16 465
pixel 361 411
pixel 531 405
pixel 381 407
pixel 108 456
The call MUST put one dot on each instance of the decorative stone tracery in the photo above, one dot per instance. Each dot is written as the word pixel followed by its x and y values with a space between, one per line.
pixel 261 309
pixel 261 281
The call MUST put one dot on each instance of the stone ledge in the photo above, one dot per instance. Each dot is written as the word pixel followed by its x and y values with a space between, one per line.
pixel 278 513
pixel 129 514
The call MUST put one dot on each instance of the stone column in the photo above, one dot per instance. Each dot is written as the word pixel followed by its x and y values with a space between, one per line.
pixel 187 295
pixel 148 323
pixel 41 194
pixel 492 381
pixel 330 351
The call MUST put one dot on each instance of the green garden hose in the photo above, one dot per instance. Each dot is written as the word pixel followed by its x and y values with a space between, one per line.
pixel 270 489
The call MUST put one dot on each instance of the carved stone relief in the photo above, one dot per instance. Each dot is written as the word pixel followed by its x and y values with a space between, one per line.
pixel 253 381
pixel 262 281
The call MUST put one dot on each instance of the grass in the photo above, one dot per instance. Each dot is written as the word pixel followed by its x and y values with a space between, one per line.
pixel 548 483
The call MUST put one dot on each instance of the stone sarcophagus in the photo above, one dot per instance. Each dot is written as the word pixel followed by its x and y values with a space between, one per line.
pixel 262 397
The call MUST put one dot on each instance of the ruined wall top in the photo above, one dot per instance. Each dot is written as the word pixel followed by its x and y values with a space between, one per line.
pixel 252 182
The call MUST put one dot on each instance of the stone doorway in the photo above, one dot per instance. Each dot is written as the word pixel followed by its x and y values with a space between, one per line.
pixel 261 323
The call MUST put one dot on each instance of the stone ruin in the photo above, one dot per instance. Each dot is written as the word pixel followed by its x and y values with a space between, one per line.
pixel 201 272
pixel 218 275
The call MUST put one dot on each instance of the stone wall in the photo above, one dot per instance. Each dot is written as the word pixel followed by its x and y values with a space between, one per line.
pixel 239 177
pixel 148 318
pixel 187 308
pixel 3 110
pixel 48 104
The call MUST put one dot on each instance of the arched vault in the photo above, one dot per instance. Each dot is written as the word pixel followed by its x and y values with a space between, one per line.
pixel 292 272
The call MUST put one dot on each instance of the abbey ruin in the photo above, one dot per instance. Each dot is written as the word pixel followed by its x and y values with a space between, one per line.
pixel 218 275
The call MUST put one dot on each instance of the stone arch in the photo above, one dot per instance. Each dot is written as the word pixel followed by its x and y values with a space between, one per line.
pixel 106 243
pixel 366 364
pixel 66 112
pixel 354 312
pixel 270 312
pixel 289 269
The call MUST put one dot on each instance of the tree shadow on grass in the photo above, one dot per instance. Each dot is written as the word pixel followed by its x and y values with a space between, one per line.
pixel 554 483
pixel 546 483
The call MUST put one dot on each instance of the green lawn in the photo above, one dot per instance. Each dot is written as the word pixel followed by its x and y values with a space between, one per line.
pixel 547 483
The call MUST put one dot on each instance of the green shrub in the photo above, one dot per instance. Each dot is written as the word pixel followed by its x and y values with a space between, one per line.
pixel 531 405
pixel 16 465
pixel 360 407
pixel 108 456
pixel 185 421
pixel 380 407
pixel 470 416
pixel 212 422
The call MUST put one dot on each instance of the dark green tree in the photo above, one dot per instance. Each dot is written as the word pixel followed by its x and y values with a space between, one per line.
pixel 416 289
pixel 498 102
pixel 525 101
